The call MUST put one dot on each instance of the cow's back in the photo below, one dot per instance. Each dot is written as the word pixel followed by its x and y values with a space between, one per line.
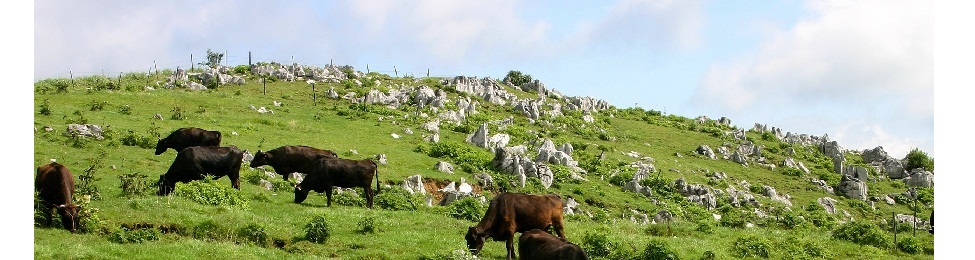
pixel 288 159
pixel 516 212
pixel 344 172
pixel 55 183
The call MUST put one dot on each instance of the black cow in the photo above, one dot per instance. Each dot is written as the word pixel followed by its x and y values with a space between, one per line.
pixel 537 244
pixel 56 185
pixel 509 213
pixel 187 137
pixel 345 173
pixel 289 158
pixel 931 230
pixel 194 162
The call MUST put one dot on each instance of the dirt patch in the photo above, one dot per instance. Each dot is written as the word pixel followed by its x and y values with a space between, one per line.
pixel 433 186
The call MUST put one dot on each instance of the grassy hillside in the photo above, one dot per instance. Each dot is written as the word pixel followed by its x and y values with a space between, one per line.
pixel 269 225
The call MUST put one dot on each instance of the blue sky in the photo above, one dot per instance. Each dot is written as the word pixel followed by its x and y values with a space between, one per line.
pixel 860 71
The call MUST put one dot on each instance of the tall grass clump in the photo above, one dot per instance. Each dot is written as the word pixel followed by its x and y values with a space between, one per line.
pixel 751 246
pixel 397 198
pixel 468 208
pixel 208 192
pixel 317 230
pixel 863 232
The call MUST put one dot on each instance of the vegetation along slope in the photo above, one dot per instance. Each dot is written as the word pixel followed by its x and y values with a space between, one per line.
pixel 645 183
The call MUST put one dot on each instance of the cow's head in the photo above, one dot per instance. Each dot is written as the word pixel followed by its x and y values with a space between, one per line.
pixel 300 194
pixel 161 146
pixel 475 240
pixel 165 187
pixel 69 216
pixel 260 159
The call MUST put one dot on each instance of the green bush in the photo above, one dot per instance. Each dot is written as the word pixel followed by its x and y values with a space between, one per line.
pixel 910 245
pixel 751 246
pixel 317 230
pixel 254 234
pixel 468 208
pixel 791 172
pixel 658 249
pixel 863 232
pixel 368 225
pixel 598 246
pixel 124 235
pixel 516 78
pixel 208 192
pixel 210 230
pixel 45 108
pixel 397 198
pixel 348 199
pixel 134 183
pixel 918 159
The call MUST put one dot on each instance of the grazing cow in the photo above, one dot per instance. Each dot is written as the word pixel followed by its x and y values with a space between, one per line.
pixel 931 230
pixel 537 244
pixel 288 159
pixel 509 213
pixel 187 137
pixel 56 185
pixel 345 173
pixel 194 162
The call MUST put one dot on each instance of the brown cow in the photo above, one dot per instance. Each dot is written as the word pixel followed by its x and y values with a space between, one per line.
pixel 538 244
pixel 187 137
pixel 509 213
pixel 289 158
pixel 56 185
pixel 194 162
pixel 345 173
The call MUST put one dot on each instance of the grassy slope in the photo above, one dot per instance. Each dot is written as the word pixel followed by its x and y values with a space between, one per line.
pixel 403 234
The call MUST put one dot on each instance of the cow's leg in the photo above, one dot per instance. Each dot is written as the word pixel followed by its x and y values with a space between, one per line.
pixel 510 244
pixel 328 194
pixel 369 195
pixel 559 229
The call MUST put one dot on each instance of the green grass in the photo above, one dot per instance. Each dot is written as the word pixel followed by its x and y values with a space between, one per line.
pixel 426 233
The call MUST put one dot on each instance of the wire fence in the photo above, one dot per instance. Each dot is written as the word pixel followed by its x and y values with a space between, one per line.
pixel 194 62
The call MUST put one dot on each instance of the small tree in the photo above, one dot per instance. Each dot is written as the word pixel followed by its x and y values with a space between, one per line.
pixel 919 159
pixel 516 78
pixel 213 59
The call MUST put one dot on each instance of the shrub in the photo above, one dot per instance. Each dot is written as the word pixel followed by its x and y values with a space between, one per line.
pixel 254 234
pixel 208 192
pixel 89 221
pixel 87 180
pixel 706 227
pixel 125 110
pixel 918 159
pixel 177 113
pixel 97 106
pixel 367 225
pixel 317 230
pixel 910 245
pixel 791 172
pixel 468 208
pixel 863 233
pixel 211 231
pixel 348 199
pixel 133 184
pixel 124 235
pixel 598 245
pixel 751 246
pixel 397 198
pixel 658 249
pixel 516 78
pixel 45 108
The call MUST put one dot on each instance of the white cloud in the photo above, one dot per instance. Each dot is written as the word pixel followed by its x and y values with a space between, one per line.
pixel 639 24
pixel 452 31
pixel 871 60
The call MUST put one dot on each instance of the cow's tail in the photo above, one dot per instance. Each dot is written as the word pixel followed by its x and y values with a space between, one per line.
pixel 377 175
